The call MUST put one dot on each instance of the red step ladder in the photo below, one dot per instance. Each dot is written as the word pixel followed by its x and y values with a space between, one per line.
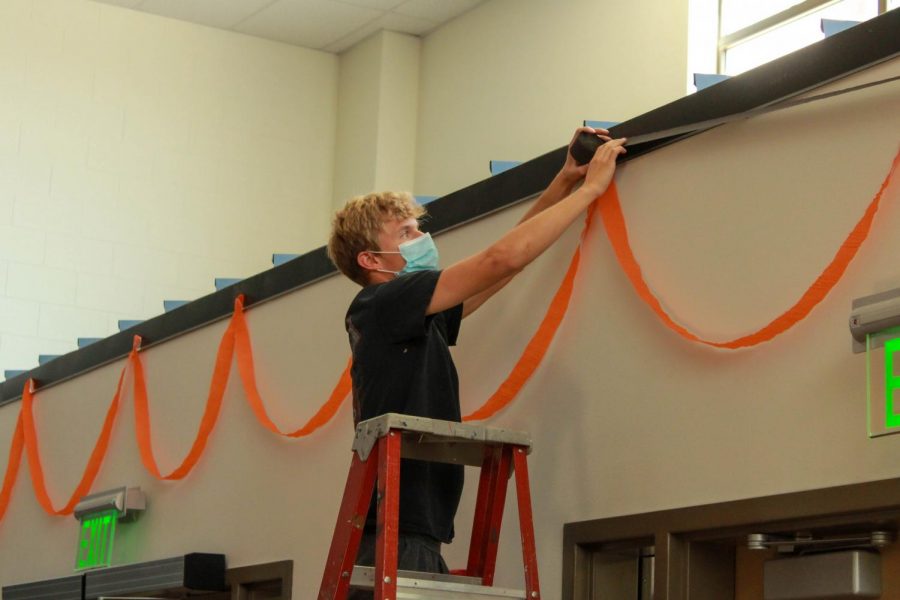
pixel 377 448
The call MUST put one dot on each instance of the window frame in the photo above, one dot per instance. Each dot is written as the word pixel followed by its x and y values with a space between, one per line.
pixel 726 42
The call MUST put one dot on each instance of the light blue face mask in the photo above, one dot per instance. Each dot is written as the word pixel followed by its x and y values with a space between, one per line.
pixel 420 254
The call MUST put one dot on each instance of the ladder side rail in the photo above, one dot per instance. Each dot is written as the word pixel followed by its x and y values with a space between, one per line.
pixel 483 503
pixel 349 528
pixel 387 533
pixel 495 516
pixel 526 525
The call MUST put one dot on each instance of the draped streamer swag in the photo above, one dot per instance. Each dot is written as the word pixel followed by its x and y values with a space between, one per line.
pixel 235 347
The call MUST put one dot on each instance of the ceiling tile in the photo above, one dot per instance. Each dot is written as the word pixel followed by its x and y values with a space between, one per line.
pixel 351 39
pixel 406 24
pixel 213 13
pixel 123 3
pixel 310 23
pixel 331 25
pixel 377 4
pixel 390 22
pixel 438 11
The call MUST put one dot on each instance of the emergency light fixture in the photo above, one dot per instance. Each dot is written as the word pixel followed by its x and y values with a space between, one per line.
pixel 873 315
pixel 98 514
pixel 875 327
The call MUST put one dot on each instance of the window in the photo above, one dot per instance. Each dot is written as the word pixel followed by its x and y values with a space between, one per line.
pixel 753 33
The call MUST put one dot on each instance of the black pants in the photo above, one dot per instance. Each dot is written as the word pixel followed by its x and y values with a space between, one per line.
pixel 414 553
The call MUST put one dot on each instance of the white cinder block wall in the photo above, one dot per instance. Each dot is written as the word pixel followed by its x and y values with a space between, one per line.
pixel 140 157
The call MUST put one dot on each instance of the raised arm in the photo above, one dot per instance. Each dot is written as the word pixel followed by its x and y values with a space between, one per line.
pixel 561 186
pixel 492 267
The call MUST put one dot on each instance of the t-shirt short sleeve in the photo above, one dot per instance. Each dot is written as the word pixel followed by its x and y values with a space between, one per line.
pixel 401 304
pixel 453 318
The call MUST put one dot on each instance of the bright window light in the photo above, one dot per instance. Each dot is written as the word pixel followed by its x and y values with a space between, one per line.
pixel 793 35
pixel 737 14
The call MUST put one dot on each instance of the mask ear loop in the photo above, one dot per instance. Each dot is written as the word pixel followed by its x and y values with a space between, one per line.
pixel 394 273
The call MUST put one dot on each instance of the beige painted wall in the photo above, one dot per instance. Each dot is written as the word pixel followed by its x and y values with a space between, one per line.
pixel 510 80
pixel 378 100
pixel 357 126
pixel 141 157
pixel 730 227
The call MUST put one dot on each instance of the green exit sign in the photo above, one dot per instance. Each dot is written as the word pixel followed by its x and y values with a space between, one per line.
pixel 883 382
pixel 95 543
pixel 892 382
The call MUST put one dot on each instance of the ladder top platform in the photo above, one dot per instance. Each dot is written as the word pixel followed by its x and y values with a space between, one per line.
pixel 420 431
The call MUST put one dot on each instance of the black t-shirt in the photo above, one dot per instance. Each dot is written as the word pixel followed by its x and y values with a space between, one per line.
pixel 402 364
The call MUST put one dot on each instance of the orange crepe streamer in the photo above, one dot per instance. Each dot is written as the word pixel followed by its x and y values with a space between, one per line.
pixel 539 343
pixel 93 464
pixel 12 466
pixel 236 340
pixel 614 222
pixel 247 371
pixel 217 386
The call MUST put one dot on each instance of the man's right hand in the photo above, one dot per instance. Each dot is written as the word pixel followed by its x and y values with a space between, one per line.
pixel 572 172
pixel 603 166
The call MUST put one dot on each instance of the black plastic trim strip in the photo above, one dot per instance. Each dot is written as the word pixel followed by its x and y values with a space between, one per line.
pixel 852 50
pixel 195 572
pixel 64 588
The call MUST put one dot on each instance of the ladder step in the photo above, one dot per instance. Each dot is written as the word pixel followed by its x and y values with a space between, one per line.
pixel 413 585
pixel 434 440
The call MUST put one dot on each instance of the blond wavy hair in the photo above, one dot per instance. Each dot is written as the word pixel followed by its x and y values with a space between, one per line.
pixel 355 228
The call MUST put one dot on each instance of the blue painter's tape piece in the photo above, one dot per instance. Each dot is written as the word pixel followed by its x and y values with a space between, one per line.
pixel 128 323
pixel 173 304
pixel 833 26
pixel 425 199
pixel 704 80
pixel 498 166
pixel 280 259
pixel 10 373
pixel 43 359
pixel 82 342
pixel 600 124
pixel 224 282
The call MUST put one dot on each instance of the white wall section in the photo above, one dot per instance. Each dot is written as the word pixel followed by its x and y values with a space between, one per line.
pixel 510 80
pixel 140 157
pixel 377 108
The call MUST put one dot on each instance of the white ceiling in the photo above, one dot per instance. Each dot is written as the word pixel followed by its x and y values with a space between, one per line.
pixel 329 25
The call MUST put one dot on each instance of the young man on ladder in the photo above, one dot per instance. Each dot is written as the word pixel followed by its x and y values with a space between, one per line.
pixel 408 313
